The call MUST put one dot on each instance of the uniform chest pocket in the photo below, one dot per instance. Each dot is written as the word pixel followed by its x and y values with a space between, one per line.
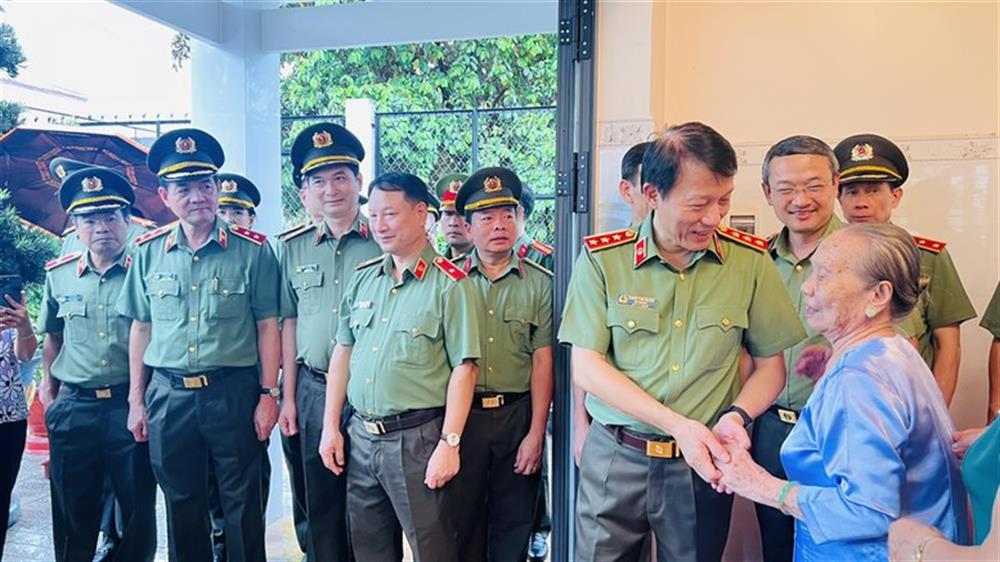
pixel 227 299
pixel 164 297
pixel 416 340
pixel 520 323
pixel 634 336
pixel 74 316
pixel 308 286
pixel 361 318
pixel 720 332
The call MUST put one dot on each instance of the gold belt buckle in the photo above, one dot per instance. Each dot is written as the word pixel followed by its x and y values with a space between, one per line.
pixel 376 428
pixel 491 402
pixel 661 449
pixel 199 381
pixel 787 416
pixel 103 393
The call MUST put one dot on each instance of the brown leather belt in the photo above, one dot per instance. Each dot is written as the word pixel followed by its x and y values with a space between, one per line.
pixel 784 414
pixel 666 448
pixel 398 422
pixel 491 400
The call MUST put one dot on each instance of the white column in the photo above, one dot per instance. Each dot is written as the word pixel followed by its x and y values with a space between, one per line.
pixel 235 96
pixel 359 118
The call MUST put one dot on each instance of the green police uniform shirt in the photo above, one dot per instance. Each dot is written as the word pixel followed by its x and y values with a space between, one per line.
pixel 945 301
pixel 204 305
pixel 991 318
pixel 538 252
pixel 517 323
pixel 315 270
pixel 677 333
pixel 80 303
pixel 793 273
pixel 407 336
pixel 71 240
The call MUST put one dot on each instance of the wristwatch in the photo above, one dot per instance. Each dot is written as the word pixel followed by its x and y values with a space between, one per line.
pixel 452 439
pixel 272 391
pixel 747 420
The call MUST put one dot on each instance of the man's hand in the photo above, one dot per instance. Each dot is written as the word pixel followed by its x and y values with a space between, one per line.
pixel 905 534
pixel 699 445
pixel 265 416
pixel 964 439
pixel 442 466
pixel 529 454
pixel 729 429
pixel 288 418
pixel 137 423
pixel 812 362
pixel 47 392
pixel 331 450
pixel 580 431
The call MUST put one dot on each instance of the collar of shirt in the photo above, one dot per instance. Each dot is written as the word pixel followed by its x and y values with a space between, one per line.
pixel 220 235
pixel 360 227
pixel 83 265
pixel 780 247
pixel 474 264
pixel 417 269
pixel 644 247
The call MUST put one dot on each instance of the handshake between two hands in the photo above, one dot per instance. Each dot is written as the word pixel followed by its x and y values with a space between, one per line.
pixel 721 455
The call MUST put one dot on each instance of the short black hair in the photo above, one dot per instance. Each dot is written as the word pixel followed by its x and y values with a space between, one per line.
pixel 412 187
pixel 352 167
pixel 527 201
pixel 661 164
pixel 633 159
pixel 165 183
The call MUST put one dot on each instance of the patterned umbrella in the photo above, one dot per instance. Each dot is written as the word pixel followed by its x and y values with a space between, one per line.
pixel 25 153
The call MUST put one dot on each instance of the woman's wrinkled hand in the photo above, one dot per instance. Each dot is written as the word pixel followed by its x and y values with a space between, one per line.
pixel 741 475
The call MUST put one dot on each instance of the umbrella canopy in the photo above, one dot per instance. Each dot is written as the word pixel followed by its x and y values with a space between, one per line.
pixel 25 153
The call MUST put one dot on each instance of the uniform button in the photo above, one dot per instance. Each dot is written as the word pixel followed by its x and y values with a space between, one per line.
pixel 676 367
pixel 375 349
pixel 682 277
pixel 490 368
pixel 385 319
pixel 101 306
pixel 225 292
pixel 304 284
pixel 369 381
pixel 104 362
pixel 339 252
pixel 191 349
pixel 335 311
pixel 679 323
pixel 798 267
pixel 414 332
pixel 103 280
pixel 196 259
pixel 370 411
pixel 160 293
pixel 101 335
pixel 194 288
pixel 491 312
pixel 490 339
pixel 630 324
pixel 194 318
pixel 394 291
pixel 336 281
pixel 726 322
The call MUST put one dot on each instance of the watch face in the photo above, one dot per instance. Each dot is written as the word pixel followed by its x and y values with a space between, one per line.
pixel 453 439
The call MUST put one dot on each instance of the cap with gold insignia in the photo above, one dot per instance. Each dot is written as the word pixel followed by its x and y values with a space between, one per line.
pixel 487 188
pixel 237 191
pixel 871 158
pixel 324 144
pixel 185 154
pixel 447 188
pixel 93 189
pixel 60 167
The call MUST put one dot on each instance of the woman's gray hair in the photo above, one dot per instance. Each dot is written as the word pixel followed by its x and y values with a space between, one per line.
pixel 892 256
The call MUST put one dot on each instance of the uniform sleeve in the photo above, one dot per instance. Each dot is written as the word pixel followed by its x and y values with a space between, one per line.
pixel 264 296
pixel 948 303
pixel 861 427
pixel 585 316
pixel 345 336
pixel 542 337
pixel 463 311
pixel 48 311
pixel 133 301
pixel 774 326
pixel 288 301
pixel 991 318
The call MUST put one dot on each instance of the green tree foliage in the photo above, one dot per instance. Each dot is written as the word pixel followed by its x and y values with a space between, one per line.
pixel 11 62
pixel 25 251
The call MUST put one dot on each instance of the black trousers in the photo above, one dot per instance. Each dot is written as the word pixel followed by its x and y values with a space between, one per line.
pixel 777 530
pixel 190 428
pixel 89 441
pixel 290 446
pixel 12 436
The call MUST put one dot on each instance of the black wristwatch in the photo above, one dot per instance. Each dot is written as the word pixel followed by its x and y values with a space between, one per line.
pixel 747 420
pixel 272 391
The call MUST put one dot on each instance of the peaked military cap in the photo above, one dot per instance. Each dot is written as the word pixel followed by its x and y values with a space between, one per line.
pixel 871 158
pixel 324 144
pixel 487 188
pixel 447 188
pixel 60 167
pixel 434 205
pixel 93 189
pixel 185 154
pixel 237 191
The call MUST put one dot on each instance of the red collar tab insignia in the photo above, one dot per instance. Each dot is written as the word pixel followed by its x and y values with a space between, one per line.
pixel 62 260
pixel 81 265
pixel 749 240
pixel 142 239
pixel 933 246
pixel 128 262
pixel 171 241
pixel 862 152
pixel 467 266
pixel 92 184
pixel 185 145
pixel 247 234
pixel 322 139
pixel 522 250
pixel 223 238
pixel 420 269
pixel 603 241
pixel 640 253
pixel 454 186
pixel 542 248
pixel 449 269
pixel 363 229
pixel 718 248
pixel 492 184
pixel 228 186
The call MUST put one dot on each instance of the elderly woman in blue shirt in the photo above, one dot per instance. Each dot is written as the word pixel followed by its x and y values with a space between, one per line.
pixel 873 443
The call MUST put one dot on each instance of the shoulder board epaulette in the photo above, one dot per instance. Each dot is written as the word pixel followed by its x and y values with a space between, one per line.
pixel 605 240
pixel 748 240
pixel 61 260
pixel 933 246
pixel 152 234
pixel 247 234
pixel 296 231
pixel 543 247
pixel 538 266
pixel 370 262
pixel 449 269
